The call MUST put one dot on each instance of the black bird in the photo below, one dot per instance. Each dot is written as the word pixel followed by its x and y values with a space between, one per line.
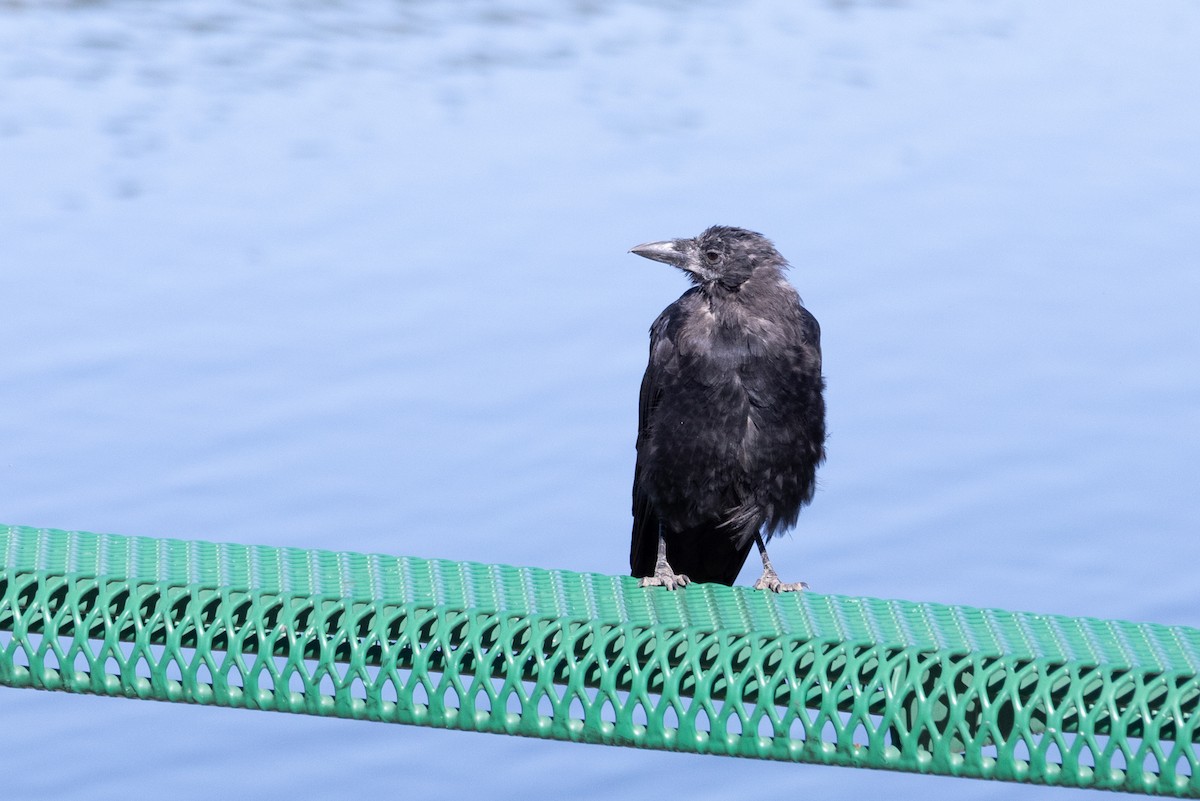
pixel 731 421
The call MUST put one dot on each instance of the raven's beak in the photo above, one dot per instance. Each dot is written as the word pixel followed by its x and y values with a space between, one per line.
pixel 666 252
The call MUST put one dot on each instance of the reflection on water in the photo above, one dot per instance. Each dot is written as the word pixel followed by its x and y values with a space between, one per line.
pixel 355 276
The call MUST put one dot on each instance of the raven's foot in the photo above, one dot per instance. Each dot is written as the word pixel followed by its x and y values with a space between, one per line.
pixel 769 580
pixel 664 576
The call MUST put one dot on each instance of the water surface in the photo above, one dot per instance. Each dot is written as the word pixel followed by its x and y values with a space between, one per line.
pixel 355 277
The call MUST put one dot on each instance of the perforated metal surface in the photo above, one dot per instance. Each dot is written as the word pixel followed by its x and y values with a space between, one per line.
pixel 591 658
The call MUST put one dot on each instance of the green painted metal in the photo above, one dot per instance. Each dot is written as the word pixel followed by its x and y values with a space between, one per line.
pixel 591 658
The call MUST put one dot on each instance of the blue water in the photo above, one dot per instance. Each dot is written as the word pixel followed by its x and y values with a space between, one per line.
pixel 354 276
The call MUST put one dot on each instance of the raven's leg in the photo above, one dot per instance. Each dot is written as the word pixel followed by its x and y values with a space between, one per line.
pixel 770 579
pixel 664 575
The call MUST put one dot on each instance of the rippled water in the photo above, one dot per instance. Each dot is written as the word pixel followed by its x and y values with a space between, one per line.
pixel 355 277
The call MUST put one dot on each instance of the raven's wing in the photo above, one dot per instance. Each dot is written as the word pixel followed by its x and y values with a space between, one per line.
pixel 706 552
pixel 643 549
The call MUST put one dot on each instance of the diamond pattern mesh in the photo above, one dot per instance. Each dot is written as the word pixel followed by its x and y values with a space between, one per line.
pixel 591 658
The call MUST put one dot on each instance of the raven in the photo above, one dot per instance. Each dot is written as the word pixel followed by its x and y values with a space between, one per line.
pixel 731 418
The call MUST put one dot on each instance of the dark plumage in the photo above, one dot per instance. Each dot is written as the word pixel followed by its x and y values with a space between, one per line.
pixel 731 422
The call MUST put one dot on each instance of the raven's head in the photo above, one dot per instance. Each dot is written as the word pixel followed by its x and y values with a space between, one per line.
pixel 722 254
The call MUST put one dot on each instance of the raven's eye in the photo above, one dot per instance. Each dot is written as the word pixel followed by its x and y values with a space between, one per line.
pixel 712 255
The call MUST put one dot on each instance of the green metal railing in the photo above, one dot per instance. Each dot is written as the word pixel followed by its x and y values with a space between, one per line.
pixel 590 658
